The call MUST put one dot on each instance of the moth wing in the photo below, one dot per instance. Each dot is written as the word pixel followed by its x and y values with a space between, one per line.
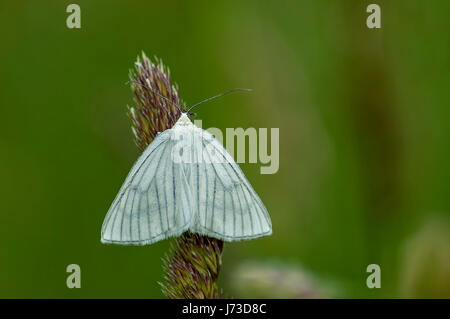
pixel 152 203
pixel 225 205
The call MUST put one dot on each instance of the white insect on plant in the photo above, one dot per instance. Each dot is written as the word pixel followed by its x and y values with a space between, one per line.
pixel 185 184
pixel 185 180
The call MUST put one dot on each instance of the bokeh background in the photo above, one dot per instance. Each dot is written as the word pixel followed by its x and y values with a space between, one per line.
pixel 364 141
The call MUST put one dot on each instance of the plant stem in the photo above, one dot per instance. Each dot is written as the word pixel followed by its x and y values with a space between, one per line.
pixel 193 263
pixel 192 267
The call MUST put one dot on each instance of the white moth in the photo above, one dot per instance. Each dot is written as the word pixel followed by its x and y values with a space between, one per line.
pixel 185 181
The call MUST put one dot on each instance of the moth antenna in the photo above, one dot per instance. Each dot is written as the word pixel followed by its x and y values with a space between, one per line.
pixel 160 95
pixel 217 96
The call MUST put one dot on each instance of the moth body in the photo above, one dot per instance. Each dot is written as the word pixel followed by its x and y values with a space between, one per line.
pixel 185 181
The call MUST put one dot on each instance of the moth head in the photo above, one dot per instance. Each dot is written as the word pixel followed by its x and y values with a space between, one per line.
pixel 184 119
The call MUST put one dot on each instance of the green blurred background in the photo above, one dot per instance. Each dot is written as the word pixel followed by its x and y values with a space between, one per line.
pixel 364 139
